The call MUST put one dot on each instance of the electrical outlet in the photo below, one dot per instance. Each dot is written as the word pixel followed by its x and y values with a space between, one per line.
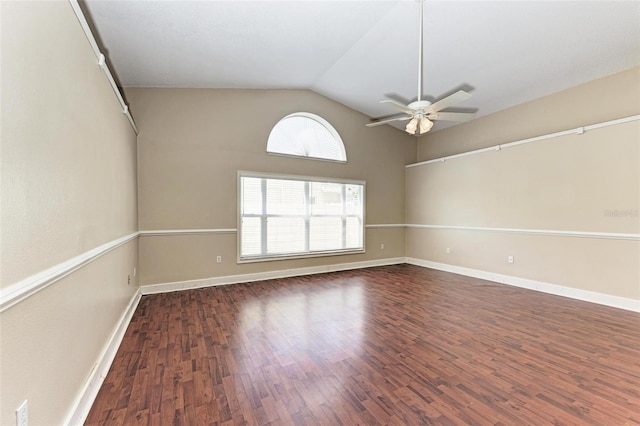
pixel 381 246
pixel 510 259
pixel 448 250
pixel 218 259
pixel 22 415
pixel 135 271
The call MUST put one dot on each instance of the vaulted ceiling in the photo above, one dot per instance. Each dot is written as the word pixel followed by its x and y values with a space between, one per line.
pixel 360 52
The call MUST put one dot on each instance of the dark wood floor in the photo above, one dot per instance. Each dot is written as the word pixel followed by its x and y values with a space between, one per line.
pixel 390 345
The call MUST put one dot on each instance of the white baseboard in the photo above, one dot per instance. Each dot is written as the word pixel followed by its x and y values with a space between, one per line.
pixel 558 290
pixel 83 402
pixel 260 276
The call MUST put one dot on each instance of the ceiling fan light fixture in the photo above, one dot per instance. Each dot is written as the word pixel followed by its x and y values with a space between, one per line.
pixel 425 125
pixel 412 126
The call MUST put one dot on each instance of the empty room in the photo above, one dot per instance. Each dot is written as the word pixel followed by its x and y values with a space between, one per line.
pixel 320 212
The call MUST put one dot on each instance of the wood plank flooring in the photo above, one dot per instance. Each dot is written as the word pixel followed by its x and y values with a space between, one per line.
pixel 389 345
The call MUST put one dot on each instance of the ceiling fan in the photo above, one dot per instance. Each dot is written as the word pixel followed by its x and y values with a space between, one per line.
pixel 422 113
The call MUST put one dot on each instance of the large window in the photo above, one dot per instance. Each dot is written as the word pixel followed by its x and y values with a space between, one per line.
pixel 287 216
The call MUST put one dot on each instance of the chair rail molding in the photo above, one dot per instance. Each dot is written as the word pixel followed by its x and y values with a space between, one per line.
pixel 526 231
pixel 16 293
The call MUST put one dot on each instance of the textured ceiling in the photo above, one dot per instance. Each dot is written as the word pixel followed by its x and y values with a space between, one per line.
pixel 360 52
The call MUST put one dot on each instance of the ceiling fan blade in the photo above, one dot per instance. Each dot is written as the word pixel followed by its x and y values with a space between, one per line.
pixel 459 96
pixel 451 116
pixel 398 106
pixel 389 120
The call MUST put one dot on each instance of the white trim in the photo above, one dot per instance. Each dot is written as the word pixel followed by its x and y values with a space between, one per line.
pixel 164 232
pixel 261 276
pixel 546 232
pixel 300 157
pixel 282 176
pixel 577 130
pixel 558 290
pixel 87 30
pixel 19 291
pixel 101 61
pixel 86 397
pixel 307 255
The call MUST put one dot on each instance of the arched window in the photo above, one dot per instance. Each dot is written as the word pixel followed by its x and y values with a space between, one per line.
pixel 306 135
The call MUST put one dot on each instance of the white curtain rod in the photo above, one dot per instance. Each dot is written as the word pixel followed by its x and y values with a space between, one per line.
pixel 101 61
pixel 577 130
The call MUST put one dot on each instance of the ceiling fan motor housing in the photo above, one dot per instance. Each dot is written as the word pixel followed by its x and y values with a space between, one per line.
pixel 419 105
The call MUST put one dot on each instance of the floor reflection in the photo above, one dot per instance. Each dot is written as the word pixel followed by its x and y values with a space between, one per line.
pixel 323 325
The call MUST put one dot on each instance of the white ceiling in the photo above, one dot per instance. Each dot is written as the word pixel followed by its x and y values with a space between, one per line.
pixel 360 52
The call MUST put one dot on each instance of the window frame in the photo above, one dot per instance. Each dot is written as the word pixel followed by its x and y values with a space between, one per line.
pixel 324 123
pixel 289 256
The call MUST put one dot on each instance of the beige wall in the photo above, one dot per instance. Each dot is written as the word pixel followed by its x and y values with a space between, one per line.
pixel 191 144
pixel 68 185
pixel 566 183
pixel 600 100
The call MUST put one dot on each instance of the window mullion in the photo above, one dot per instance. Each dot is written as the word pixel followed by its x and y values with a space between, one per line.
pixel 307 213
pixel 263 219
pixel 344 215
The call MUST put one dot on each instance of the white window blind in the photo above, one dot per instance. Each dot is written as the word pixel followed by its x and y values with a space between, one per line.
pixel 286 216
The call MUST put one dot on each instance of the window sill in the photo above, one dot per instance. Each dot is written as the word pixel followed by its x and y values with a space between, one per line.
pixel 271 258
